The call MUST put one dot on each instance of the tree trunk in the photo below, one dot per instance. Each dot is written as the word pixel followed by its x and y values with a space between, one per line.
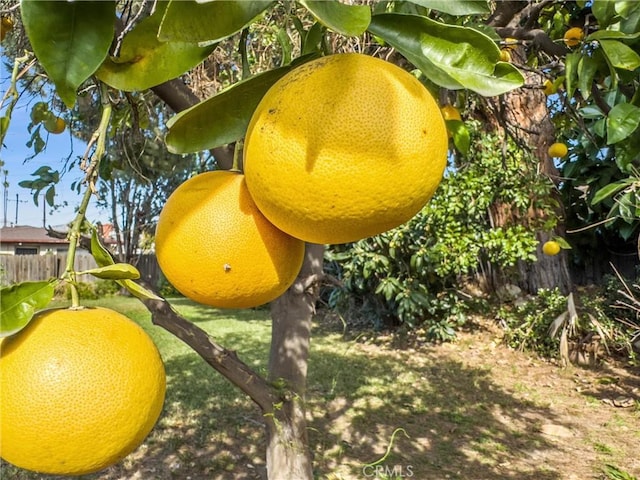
pixel 523 114
pixel 288 454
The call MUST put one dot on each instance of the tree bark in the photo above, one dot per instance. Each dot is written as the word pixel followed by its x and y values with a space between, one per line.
pixel 288 454
pixel 523 114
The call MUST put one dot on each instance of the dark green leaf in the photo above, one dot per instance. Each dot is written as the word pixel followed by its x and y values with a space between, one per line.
pixel 145 62
pixel 70 39
pixel 587 68
pixel 451 56
pixel 350 20
pixel 100 254
pixel 207 23
pixel 571 64
pixel 20 301
pixel 620 55
pixel 456 7
pixel 622 121
pixel 313 39
pixel 604 11
pixel 626 231
pixel 117 271
pixel 285 44
pixel 222 118
pixel 610 190
pixel 611 35
pixel 50 195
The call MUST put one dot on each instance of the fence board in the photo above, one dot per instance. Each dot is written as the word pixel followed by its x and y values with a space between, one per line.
pixel 22 268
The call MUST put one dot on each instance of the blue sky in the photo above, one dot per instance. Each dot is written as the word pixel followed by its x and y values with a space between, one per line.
pixel 58 149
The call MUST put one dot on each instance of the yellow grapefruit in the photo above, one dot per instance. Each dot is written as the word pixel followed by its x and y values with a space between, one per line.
pixel 558 150
pixel 344 147
pixel 449 112
pixel 216 248
pixel 79 389
pixel 551 248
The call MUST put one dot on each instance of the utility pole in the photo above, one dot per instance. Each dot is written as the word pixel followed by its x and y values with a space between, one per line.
pixel 5 198
pixel 18 202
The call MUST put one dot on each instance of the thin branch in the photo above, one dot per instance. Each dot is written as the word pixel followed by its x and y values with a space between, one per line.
pixel 224 361
pixel 538 37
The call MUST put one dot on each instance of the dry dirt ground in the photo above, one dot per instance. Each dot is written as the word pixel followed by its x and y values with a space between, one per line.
pixel 484 411
pixel 472 410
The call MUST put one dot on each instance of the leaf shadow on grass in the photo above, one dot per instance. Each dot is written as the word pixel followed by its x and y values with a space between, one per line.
pixel 459 422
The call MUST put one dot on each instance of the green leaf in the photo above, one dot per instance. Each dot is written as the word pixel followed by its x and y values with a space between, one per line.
pixel 117 271
pixel 103 259
pixel 70 39
pixel 19 302
pixel 571 63
pixel 350 20
pixel 622 121
pixel 285 44
pixel 620 55
pixel 145 62
pixel 138 290
pixel 460 135
pixel 451 56
pixel 312 40
pixel 604 11
pixel 207 23
pixel 222 118
pixel 611 35
pixel 100 254
pixel 456 7
pixel 4 126
pixel 610 190
pixel 587 69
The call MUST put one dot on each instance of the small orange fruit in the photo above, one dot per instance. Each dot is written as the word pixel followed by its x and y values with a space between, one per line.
pixel 505 55
pixel 551 248
pixel 573 36
pixel 55 125
pixel 511 43
pixel 558 150
pixel 6 25
pixel 449 112
pixel 216 248
pixel 549 87
pixel 80 389
pixel 344 147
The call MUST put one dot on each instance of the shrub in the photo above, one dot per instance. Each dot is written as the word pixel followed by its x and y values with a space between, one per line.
pixel 526 325
pixel 410 275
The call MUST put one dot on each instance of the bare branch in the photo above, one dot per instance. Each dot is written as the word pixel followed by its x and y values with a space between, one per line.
pixel 224 361
pixel 538 37
pixel 505 12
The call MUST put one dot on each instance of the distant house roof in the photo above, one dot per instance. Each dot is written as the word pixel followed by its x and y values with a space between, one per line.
pixel 26 234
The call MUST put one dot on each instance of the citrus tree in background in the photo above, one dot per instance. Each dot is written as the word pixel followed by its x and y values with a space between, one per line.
pixel 107 52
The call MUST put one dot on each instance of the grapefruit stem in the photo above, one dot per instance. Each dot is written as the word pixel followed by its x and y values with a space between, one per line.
pixel 91 175
pixel 11 95
pixel 235 167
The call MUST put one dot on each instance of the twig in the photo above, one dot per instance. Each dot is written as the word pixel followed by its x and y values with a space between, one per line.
pixel 224 361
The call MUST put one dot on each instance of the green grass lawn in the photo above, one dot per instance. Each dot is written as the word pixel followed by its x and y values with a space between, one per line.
pixel 467 410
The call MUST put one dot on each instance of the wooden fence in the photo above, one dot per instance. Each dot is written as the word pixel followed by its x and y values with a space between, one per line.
pixel 22 268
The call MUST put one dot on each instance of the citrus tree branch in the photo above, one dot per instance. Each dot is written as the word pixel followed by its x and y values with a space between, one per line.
pixel 224 361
